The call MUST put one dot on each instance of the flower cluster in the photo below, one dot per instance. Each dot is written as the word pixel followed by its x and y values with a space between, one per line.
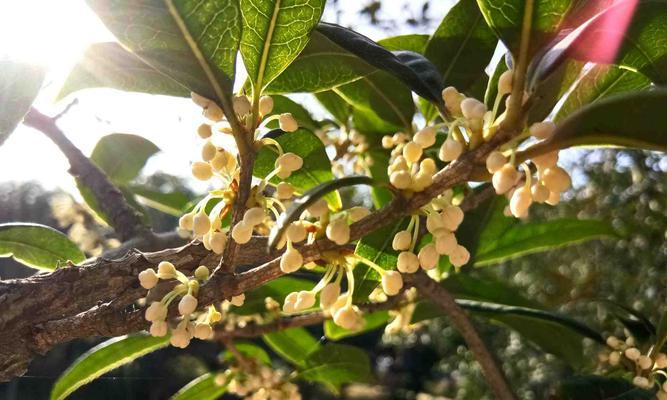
pixel 351 151
pixel 192 323
pixel 258 382
pixel 648 368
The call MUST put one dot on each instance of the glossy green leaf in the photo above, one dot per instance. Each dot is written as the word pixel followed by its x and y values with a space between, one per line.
pixel 641 44
pixel 274 33
pixel 194 42
pixel 633 120
pixel 412 69
pixel 172 203
pixel 372 321
pixel 109 65
pixel 524 238
pixel 462 46
pixel 294 345
pixel 411 42
pixel 302 203
pixel 380 161
pixel 596 387
pixel 122 156
pixel 383 97
pixel 19 85
pixel 547 92
pixel 322 65
pixel 37 246
pixel 598 83
pixel 103 358
pixel 506 19
pixel 339 109
pixel 337 364
pixel 201 388
pixel 316 165
pixel 283 104
pixel 249 350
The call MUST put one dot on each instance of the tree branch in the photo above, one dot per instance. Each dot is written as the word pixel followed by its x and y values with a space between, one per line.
pixel 443 299
pixel 123 218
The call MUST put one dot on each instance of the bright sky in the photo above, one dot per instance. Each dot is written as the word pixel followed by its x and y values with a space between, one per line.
pixel 56 35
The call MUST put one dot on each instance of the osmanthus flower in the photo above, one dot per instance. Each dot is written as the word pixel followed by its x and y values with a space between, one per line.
pixel 254 381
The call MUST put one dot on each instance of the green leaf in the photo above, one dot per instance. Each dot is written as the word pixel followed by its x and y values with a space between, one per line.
pixel 335 105
pixel 110 65
pixel 372 321
pixel 302 203
pixel 524 238
pixel 316 165
pixel 598 83
pixel 172 203
pixel 595 387
pixel 294 345
pixel 414 70
pixel 547 92
pixel 633 120
pixel 37 246
pixel 201 388
pixel 103 358
pixel 641 328
pixel 274 33
pixel 19 85
pixel 462 46
pixel 380 161
pixel 505 17
pixel 322 65
pixel 383 97
pixel 412 42
pixel 194 42
pixel 249 350
pixel 640 44
pixel 283 104
pixel 121 156
pixel 337 364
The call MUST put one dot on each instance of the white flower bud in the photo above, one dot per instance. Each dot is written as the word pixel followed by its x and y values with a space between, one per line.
pixel 208 151
pixel 539 192
pixel 505 83
pixel 400 179
pixel 200 100
pixel 661 361
pixel 238 300
pixel 452 99
pixel 254 216
pixel 546 160
pixel 338 231
pixel 202 273
pixel 217 241
pixel 412 152
pixel 287 122
pixel 186 221
pixel 296 232
pixel 427 165
pixel 284 191
pixel 521 200
pixel 148 278
pixel 428 257
pixel 614 342
pixel 392 282
pixel 265 105
pixel 290 300
pixel 358 213
pixel 318 209
pixel 445 242
pixel 305 299
pixel 644 362
pixel 505 178
pixel 187 305
pixel 402 240
pixel 289 162
pixel 452 216
pixel 329 295
pixel 180 338
pixel 204 131
pixel 425 137
pixel 387 142
pixel 407 263
pixel 472 108
pixel 450 150
pixel 291 260
pixel 201 223
pixel 460 256
pixel 203 331
pixel 156 312
pixel 632 353
pixel 399 164
pixel 641 382
pixel 434 222
pixel 614 358
pixel 542 130
pixel 241 105
pixel 158 328
pixel 556 179
pixel 421 180
pixel 166 269
pixel 495 161
pixel 340 302
pixel 213 113
pixel 202 170
pixel 347 317
pixel 242 232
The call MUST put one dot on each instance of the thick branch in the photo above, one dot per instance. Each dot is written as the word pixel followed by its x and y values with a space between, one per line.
pixel 123 218
pixel 443 299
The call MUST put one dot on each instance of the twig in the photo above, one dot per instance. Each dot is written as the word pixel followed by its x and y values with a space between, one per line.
pixel 443 299
pixel 123 218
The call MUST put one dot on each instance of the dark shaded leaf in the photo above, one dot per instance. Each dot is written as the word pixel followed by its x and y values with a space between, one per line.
pixel 337 364
pixel 122 156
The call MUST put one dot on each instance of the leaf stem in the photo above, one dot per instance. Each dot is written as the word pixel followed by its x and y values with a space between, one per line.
pixel 514 107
